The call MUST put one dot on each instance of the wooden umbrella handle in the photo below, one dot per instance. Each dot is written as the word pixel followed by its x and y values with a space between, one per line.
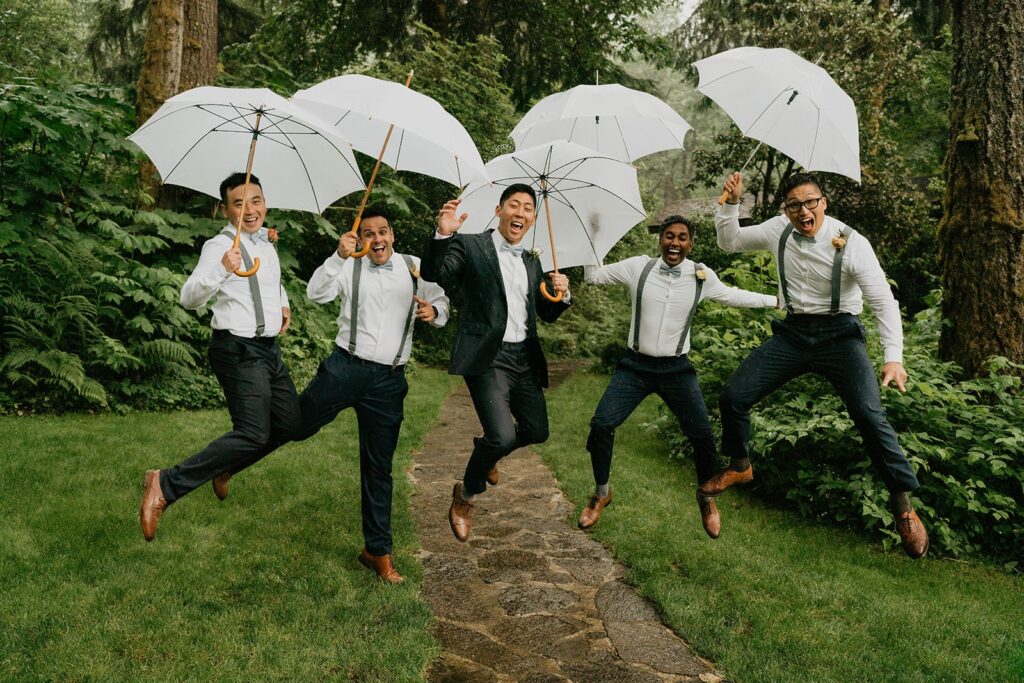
pixel 245 196
pixel 373 176
pixel 551 236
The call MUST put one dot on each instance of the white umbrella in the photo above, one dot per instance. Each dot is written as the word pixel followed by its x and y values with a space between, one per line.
pixel 623 123
pixel 786 102
pixel 201 136
pixel 426 139
pixel 590 200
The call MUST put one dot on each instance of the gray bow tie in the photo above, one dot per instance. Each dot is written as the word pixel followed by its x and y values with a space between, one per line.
pixel 671 271
pixel 517 250
pixel 259 236
pixel 376 268
pixel 803 238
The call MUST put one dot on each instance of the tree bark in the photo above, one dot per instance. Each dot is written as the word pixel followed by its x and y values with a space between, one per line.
pixel 161 69
pixel 982 229
pixel 199 44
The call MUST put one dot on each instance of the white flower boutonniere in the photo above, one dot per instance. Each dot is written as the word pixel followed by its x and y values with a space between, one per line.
pixel 701 274
pixel 840 241
pixel 415 272
pixel 534 253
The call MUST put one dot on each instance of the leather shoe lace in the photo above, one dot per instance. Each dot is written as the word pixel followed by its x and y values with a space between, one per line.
pixel 592 512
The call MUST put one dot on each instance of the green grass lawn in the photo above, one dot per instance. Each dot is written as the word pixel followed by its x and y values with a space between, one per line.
pixel 262 586
pixel 777 597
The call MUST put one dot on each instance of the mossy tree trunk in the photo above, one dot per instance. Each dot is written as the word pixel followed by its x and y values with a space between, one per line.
pixel 161 69
pixel 982 229
pixel 199 44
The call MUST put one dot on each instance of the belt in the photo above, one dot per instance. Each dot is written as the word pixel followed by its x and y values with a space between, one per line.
pixel 225 334
pixel 368 363
pixel 512 346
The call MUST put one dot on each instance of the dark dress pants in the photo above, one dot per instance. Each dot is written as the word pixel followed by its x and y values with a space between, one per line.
pixel 831 346
pixel 636 377
pixel 377 393
pixel 263 405
pixel 510 404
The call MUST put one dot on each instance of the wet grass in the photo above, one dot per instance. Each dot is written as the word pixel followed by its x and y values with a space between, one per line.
pixel 778 597
pixel 262 586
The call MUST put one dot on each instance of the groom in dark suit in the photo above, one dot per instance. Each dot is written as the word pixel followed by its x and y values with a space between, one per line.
pixel 496 346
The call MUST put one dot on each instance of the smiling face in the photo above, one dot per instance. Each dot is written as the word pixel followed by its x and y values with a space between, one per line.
pixel 255 208
pixel 381 238
pixel 515 217
pixel 807 221
pixel 675 243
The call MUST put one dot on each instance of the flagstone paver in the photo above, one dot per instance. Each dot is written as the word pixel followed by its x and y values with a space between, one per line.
pixel 530 597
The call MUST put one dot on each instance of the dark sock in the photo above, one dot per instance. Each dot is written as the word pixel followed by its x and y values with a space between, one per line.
pixel 900 502
pixel 740 464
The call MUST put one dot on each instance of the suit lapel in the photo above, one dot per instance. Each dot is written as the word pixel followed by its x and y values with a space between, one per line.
pixel 490 254
pixel 532 286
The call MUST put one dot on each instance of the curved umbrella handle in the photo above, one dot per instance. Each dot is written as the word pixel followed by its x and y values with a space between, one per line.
pixel 723 198
pixel 355 231
pixel 544 292
pixel 251 271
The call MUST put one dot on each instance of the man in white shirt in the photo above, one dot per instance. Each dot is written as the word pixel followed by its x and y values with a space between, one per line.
pixel 825 270
pixel 496 347
pixel 665 294
pixel 381 295
pixel 248 315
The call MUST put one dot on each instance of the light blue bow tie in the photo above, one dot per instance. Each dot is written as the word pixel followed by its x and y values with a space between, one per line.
pixel 376 268
pixel 259 236
pixel 803 238
pixel 671 271
pixel 517 250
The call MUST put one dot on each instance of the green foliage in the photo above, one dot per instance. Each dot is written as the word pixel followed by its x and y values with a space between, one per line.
pixel 34 35
pixel 964 438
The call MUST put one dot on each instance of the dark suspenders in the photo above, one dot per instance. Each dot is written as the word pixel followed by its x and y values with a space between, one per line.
pixel 837 268
pixel 254 285
pixel 698 267
pixel 354 316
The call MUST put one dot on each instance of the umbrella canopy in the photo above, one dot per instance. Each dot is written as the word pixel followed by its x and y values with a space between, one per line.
pixel 593 200
pixel 617 121
pixel 787 103
pixel 201 136
pixel 426 138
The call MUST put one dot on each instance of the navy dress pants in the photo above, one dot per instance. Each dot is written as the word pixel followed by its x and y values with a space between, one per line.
pixel 637 376
pixel 261 400
pixel 833 347
pixel 510 404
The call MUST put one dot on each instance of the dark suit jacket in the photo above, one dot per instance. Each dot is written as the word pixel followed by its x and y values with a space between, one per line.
pixel 470 263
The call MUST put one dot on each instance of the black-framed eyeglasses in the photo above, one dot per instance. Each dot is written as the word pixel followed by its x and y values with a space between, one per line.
pixel 809 204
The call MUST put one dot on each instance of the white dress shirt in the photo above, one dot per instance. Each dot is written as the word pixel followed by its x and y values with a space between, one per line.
pixel 385 304
pixel 233 309
pixel 668 300
pixel 809 271
pixel 515 280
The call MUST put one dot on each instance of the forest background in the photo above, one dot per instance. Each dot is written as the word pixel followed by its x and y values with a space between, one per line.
pixel 93 251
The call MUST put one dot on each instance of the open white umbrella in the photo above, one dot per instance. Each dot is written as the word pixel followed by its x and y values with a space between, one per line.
pixel 590 200
pixel 787 103
pixel 201 136
pixel 402 128
pixel 623 123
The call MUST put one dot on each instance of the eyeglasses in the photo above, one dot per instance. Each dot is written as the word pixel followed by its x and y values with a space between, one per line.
pixel 809 204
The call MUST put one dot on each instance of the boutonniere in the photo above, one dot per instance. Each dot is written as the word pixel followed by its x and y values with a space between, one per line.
pixel 839 241
pixel 415 272
pixel 272 235
pixel 701 274
pixel 534 253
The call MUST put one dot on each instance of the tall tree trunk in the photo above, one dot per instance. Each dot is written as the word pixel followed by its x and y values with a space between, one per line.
pixel 982 229
pixel 199 44
pixel 161 68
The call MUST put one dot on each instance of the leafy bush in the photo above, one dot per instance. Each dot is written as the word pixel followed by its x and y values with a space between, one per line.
pixel 964 437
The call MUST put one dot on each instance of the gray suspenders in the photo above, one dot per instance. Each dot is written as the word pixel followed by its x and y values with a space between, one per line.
pixel 837 268
pixel 357 271
pixel 254 285
pixel 639 300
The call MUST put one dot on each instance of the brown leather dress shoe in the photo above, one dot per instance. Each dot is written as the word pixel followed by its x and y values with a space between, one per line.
pixel 220 485
pixel 152 506
pixel 493 476
pixel 381 565
pixel 460 514
pixel 912 533
pixel 592 512
pixel 726 478
pixel 709 516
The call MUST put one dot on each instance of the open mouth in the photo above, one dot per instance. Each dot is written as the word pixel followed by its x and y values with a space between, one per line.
pixel 379 249
pixel 806 224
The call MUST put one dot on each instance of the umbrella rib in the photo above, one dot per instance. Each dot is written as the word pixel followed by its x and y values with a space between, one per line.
pixel 398 154
pixel 228 119
pixel 767 107
pixel 814 144
pixel 195 144
pixel 586 232
pixel 726 75
pixel 312 188
pixel 622 134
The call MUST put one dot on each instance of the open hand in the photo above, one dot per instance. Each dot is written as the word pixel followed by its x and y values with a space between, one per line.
pixel 448 223
pixel 894 372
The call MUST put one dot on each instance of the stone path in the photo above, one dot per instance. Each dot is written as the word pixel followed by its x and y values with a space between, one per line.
pixel 530 597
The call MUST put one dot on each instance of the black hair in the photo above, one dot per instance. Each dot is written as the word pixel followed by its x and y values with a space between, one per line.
pixel 233 181
pixel 672 220
pixel 516 188
pixel 798 179
pixel 375 211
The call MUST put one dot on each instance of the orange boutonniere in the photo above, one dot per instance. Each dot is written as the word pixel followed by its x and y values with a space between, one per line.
pixel 272 235
pixel 839 241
